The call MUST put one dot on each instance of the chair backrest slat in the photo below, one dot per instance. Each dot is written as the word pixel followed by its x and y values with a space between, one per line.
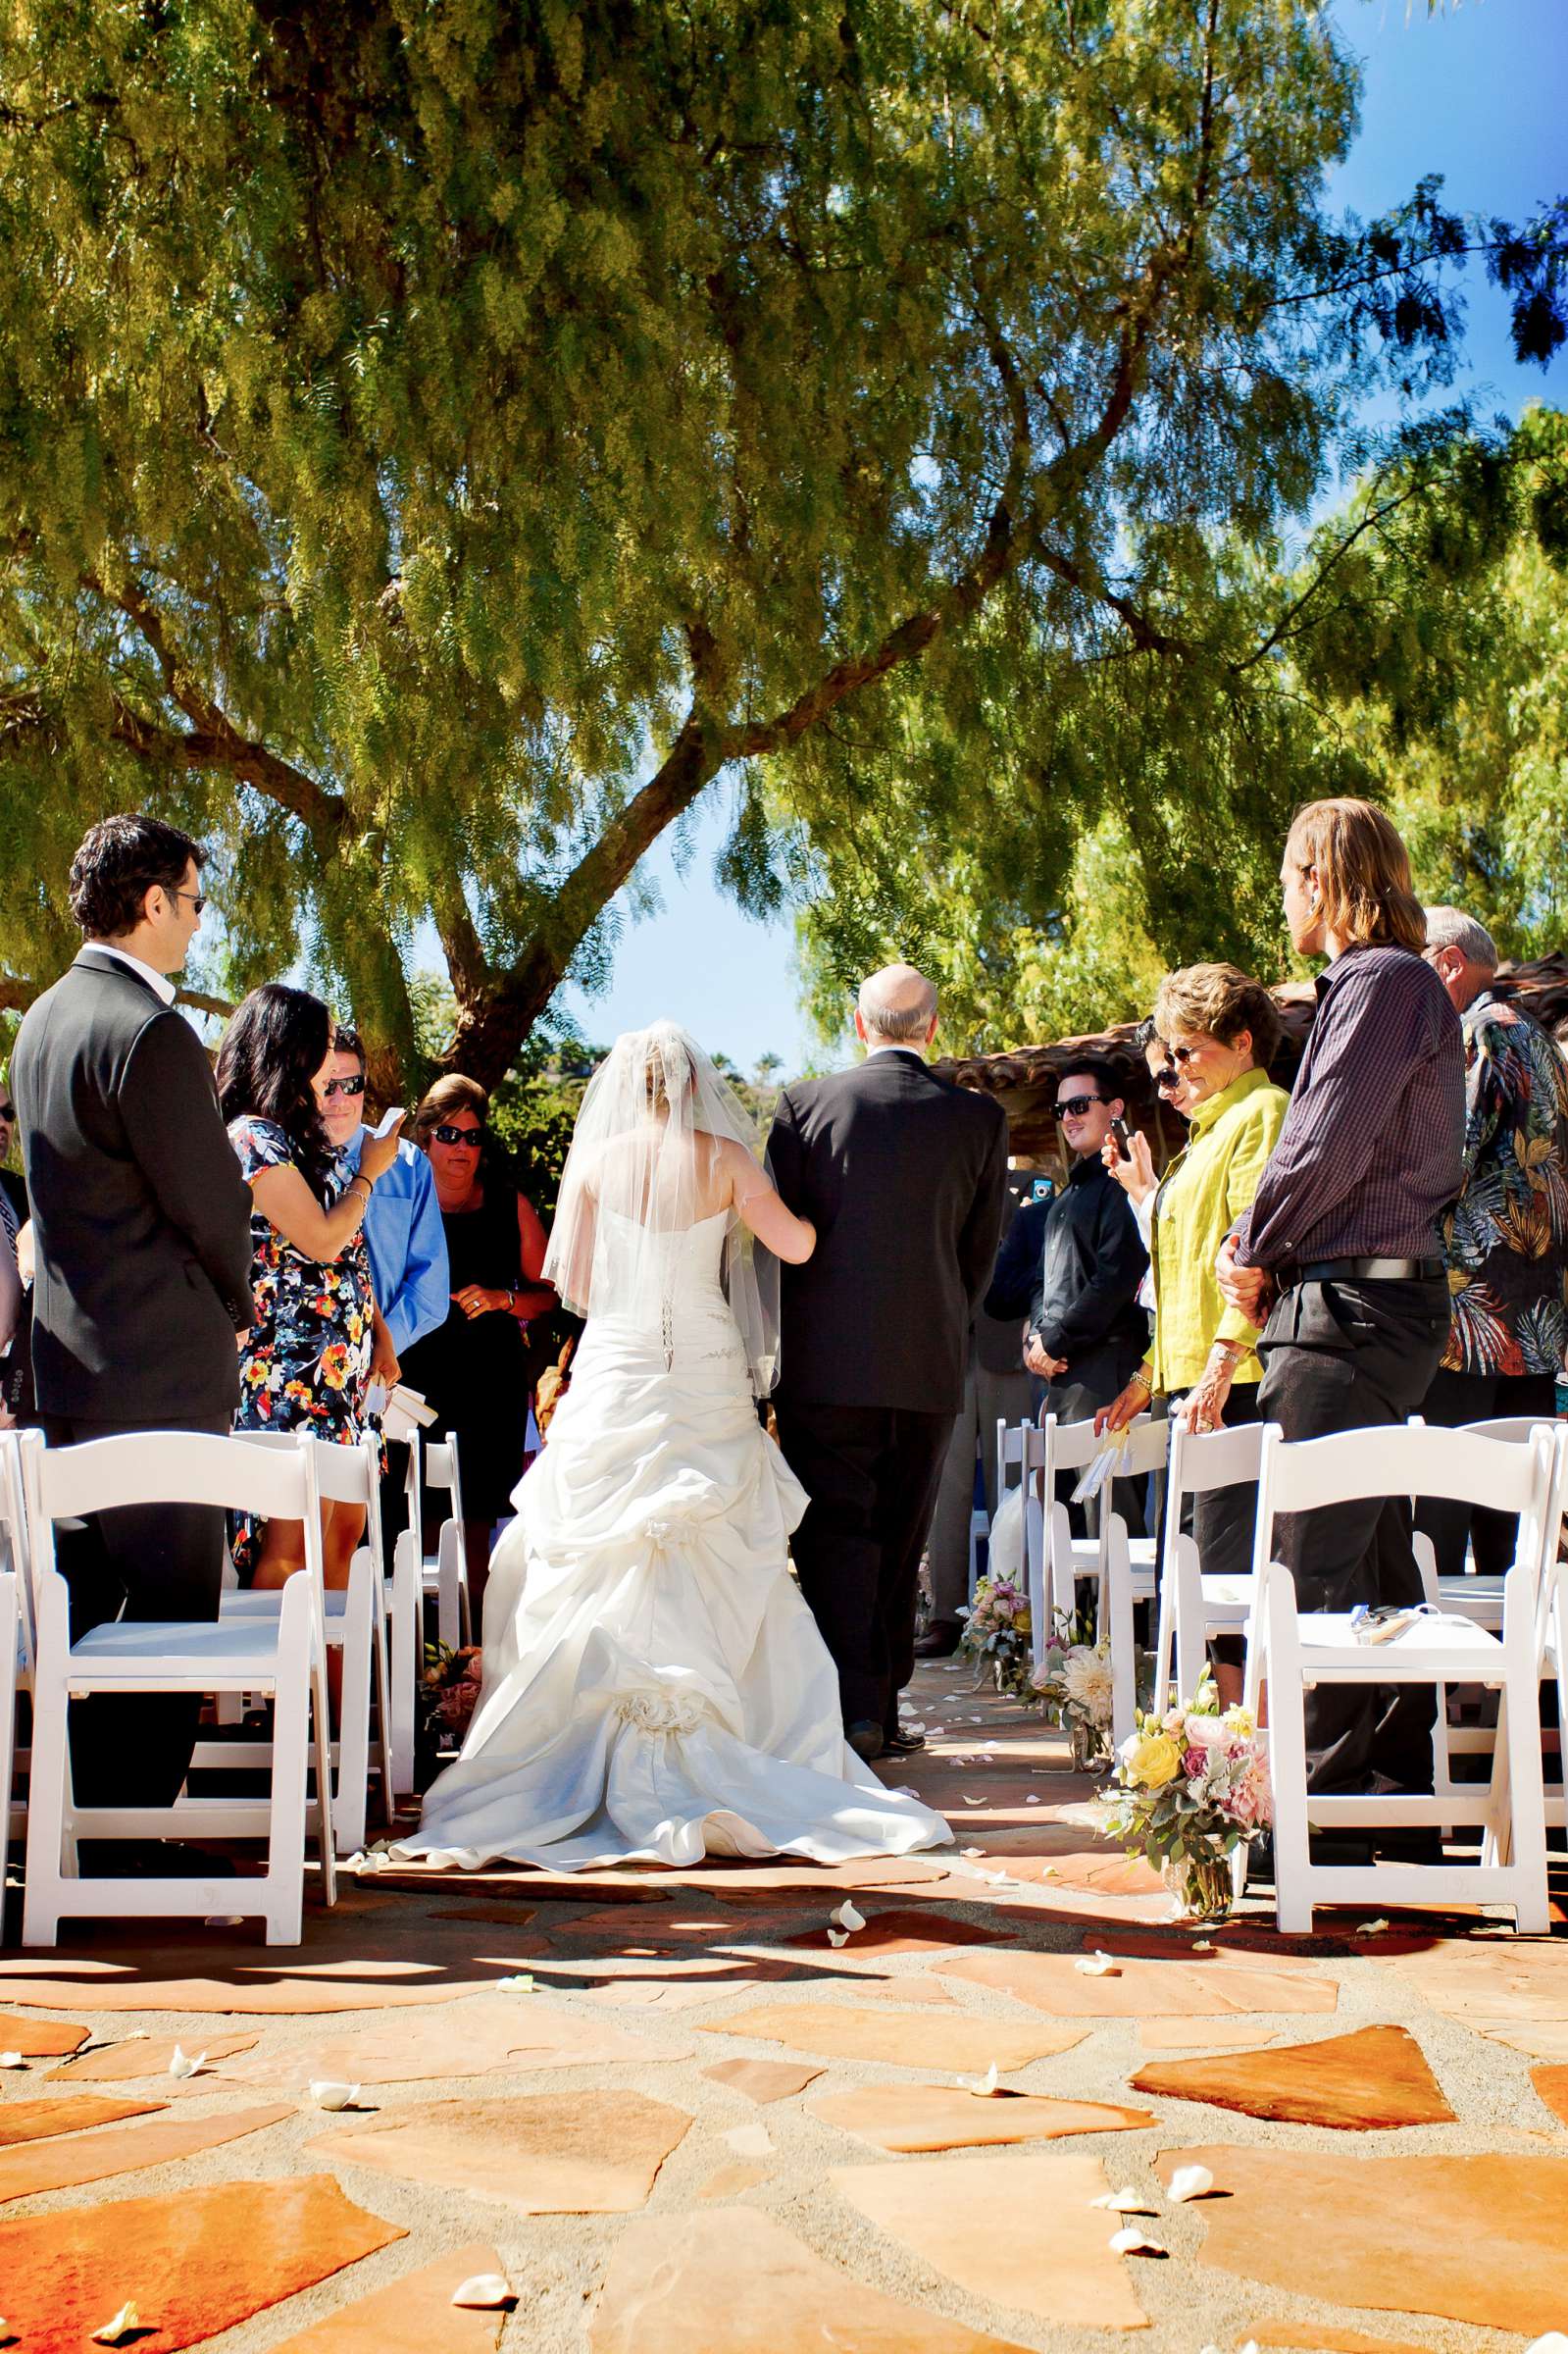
pixel 1402 1461
pixel 163 1466
pixel 343 1475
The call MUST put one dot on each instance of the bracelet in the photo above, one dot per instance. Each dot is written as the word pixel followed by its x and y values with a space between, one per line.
pixel 1145 1381
pixel 365 1182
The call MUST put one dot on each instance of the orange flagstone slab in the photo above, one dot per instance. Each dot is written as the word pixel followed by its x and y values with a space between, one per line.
pixel 1551 2084
pixel 1136 1988
pixel 94 2157
pixel 411 2316
pixel 1319 2339
pixel 763 2080
pixel 1513 1990
pixel 553 2153
pixel 39 2038
pixel 1377 2078
pixel 944 2117
pixel 1205 2034
pixel 737 2282
pixel 1020 2231
pixel 836 2032
pixel 1472 2239
pixel 510 2033
pixel 149 2056
pixel 103 1986
pixel 195 2263
pixel 36 2121
pixel 729 2182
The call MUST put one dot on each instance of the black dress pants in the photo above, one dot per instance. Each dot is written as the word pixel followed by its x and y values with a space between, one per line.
pixel 1457 1397
pixel 1347 1356
pixel 144 1561
pixel 871 1473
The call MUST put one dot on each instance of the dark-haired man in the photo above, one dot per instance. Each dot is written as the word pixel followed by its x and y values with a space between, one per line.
pixel 1086 1332
pixel 142 1234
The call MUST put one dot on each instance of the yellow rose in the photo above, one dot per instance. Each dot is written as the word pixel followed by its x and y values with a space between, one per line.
pixel 1021 1623
pixel 1154 1762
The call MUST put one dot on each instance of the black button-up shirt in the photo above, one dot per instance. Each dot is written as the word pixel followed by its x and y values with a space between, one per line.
pixel 1372 1150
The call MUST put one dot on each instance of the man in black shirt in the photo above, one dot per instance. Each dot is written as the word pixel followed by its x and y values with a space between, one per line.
pixel 1086 1330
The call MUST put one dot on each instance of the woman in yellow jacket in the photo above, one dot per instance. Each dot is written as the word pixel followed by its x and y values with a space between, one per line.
pixel 1220 1028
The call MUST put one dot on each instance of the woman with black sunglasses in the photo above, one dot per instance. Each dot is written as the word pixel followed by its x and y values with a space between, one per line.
pixel 306 1362
pixel 477 1370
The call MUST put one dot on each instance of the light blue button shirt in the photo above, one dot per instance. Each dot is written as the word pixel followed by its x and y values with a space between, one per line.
pixel 407 1244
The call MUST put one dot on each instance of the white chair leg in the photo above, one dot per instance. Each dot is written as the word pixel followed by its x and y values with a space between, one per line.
pixel 1118 1579
pixel 407 1617
pixel 1037 1573
pixel 350 1789
pixel 1519 1742
pixel 8 1704
pixel 448 1590
pixel 1192 1648
pixel 322 1713
pixel 381 1657
pixel 285 1830
pixel 49 1779
pixel 1287 1758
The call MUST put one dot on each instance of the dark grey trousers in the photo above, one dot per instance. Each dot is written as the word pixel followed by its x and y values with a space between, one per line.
pixel 1345 1356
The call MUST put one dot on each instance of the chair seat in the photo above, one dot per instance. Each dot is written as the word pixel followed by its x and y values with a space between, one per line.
pixel 1227 1592
pixel 246 1602
pixel 1445 1649
pixel 1476 1597
pixel 176 1653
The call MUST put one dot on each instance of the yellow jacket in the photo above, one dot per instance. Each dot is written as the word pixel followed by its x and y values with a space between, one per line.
pixel 1202 1194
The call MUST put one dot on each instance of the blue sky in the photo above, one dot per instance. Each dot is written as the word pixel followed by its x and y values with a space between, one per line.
pixel 1479 93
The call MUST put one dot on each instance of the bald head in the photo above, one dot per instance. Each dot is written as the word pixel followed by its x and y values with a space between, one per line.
pixel 897 1007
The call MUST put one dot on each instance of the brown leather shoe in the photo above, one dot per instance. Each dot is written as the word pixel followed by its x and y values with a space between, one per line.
pixel 940 1640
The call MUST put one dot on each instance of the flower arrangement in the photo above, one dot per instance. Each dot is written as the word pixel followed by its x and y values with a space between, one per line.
pixel 997 1633
pixel 446 1697
pixel 1190 1785
pixel 1072 1686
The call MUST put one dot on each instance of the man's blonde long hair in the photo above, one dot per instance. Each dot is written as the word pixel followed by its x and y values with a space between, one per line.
pixel 1363 873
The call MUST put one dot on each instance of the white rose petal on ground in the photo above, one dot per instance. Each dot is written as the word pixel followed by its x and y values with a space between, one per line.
pixel 114 2332
pixel 1190 2183
pixel 1130 2241
pixel 181 2062
pixel 326 2094
pixel 848 1917
pixel 12 2060
pixel 984 2087
pixel 1095 1966
pixel 522 1983
pixel 1124 2202
pixel 1370 1928
pixel 483 2292
pixel 838 1937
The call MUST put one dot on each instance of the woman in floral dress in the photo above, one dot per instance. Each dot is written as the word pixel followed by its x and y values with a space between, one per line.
pixel 317 1337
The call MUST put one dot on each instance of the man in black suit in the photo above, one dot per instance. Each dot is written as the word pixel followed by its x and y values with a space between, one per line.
pixel 141 1229
pixel 904 1178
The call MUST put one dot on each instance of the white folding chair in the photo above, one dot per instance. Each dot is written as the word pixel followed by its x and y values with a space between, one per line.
pixel 444 1573
pixel 1126 1578
pixel 356 1623
pixel 1073 1447
pixel 283 1655
pixel 15 1640
pixel 1197 1604
pixel 1292 1653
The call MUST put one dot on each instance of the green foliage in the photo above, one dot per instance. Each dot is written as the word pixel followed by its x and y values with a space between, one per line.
pixel 439 439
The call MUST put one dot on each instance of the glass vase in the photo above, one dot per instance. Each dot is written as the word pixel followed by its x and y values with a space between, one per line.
pixel 1201 1885
pixel 1089 1744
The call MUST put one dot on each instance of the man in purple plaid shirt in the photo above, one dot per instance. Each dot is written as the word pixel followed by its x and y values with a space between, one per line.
pixel 1341 1250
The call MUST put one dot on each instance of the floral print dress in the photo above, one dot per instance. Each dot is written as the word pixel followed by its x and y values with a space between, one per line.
pixel 304 1364
pixel 1507 1237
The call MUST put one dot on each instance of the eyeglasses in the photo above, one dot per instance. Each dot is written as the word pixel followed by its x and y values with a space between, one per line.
pixel 194 896
pixel 448 1135
pixel 1073 1107
pixel 344 1086
pixel 8 1111
pixel 1168 1080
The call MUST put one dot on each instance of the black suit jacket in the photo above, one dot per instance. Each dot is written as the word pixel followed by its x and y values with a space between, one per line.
pixel 141 1218
pixel 904 1177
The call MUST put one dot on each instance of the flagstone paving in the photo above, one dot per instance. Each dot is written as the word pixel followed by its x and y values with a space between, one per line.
pixel 707 2129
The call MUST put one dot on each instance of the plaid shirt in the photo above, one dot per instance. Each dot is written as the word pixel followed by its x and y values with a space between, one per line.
pixel 1372 1150
pixel 1507 1237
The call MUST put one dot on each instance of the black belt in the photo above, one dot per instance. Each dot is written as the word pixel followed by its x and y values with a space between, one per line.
pixel 1363 1270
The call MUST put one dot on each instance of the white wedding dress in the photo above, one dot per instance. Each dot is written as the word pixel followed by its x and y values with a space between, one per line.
pixel 655 1689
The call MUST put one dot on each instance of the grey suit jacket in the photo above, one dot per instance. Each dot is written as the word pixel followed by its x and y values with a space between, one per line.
pixel 141 1218
pixel 904 1177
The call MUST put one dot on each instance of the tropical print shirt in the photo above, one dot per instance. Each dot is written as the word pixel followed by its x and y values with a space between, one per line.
pixel 1507 1237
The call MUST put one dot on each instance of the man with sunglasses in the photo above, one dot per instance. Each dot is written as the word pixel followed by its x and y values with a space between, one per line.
pixel 1086 1331
pixel 402 1229
pixel 141 1243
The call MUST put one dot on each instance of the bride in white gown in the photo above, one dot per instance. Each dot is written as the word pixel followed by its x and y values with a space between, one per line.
pixel 654 1687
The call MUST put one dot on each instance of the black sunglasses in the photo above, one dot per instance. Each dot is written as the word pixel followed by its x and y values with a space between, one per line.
pixel 1073 1107
pixel 1168 1080
pixel 344 1086
pixel 197 899
pixel 448 1135
pixel 8 1111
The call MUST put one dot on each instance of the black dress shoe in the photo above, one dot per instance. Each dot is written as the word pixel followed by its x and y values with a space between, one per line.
pixel 940 1640
pixel 864 1737
pixel 901 1744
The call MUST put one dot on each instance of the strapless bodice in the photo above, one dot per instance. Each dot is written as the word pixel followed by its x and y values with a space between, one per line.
pixel 662 1286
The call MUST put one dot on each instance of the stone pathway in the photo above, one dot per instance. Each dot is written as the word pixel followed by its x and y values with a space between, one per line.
pixel 680 2118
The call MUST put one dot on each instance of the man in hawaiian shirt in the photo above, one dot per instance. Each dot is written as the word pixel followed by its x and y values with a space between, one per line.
pixel 1505 1239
